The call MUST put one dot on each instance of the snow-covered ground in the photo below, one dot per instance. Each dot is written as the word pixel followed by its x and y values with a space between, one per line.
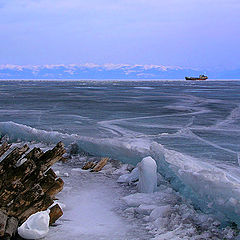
pixel 108 206
pixel 94 208
pixel 98 207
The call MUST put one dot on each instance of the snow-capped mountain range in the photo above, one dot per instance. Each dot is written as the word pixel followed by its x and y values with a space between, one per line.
pixel 107 71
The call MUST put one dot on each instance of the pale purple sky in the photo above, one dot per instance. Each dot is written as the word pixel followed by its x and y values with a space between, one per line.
pixel 190 33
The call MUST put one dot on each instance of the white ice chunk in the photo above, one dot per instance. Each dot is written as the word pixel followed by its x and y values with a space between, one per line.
pixel 123 178
pixel 145 209
pixel 130 177
pixel 36 226
pixel 147 175
pixel 122 170
pixel 135 200
pixel 160 212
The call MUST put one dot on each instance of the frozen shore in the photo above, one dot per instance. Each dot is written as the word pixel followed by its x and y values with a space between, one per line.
pixel 107 205
pixel 94 208
pixel 97 207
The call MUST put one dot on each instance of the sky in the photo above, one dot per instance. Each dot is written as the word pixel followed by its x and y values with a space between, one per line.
pixel 188 33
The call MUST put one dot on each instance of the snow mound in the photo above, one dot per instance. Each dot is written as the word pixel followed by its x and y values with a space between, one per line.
pixel 36 226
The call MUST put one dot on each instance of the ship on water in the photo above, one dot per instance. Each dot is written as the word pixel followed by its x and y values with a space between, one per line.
pixel 201 77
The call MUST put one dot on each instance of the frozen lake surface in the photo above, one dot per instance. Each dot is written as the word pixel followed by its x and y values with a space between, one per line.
pixel 191 129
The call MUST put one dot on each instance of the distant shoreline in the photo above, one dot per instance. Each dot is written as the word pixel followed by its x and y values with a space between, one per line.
pixel 109 80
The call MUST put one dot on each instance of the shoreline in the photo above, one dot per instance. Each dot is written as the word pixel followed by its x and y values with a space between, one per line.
pixel 103 205
pixel 162 215
pixel 115 80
